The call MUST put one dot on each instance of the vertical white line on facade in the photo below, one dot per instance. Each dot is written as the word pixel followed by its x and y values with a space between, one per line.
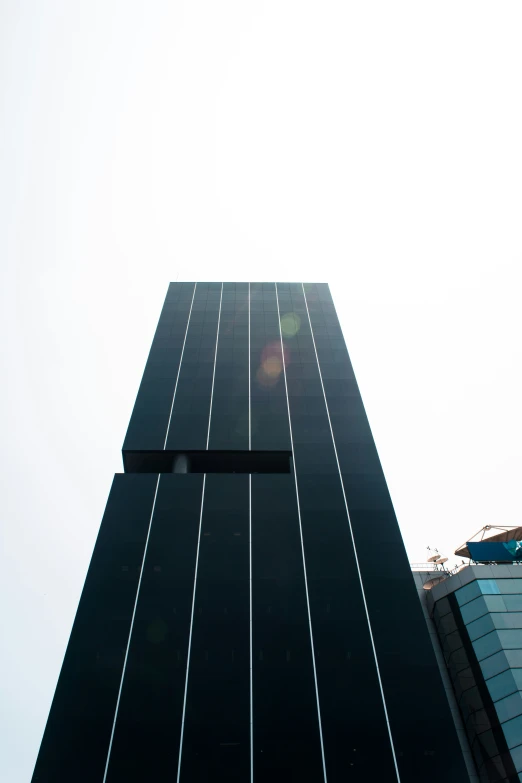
pixel 130 632
pixel 190 631
pixel 250 554
pixel 249 380
pixel 302 543
pixel 251 652
pixel 179 368
pixel 197 554
pixel 354 547
pixel 214 371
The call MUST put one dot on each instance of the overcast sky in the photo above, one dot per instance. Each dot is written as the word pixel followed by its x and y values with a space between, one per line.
pixel 372 145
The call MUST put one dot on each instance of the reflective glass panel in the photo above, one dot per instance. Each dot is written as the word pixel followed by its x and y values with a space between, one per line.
pixel 505 683
pixel 482 605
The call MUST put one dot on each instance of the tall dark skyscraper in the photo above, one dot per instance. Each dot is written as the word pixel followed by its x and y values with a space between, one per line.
pixel 249 613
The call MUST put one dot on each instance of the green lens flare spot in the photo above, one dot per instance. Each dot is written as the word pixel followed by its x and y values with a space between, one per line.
pixel 290 324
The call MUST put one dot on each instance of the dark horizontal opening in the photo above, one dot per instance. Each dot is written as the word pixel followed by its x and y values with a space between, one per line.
pixel 207 461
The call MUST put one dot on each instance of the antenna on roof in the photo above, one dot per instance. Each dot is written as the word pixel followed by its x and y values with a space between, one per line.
pixel 432 582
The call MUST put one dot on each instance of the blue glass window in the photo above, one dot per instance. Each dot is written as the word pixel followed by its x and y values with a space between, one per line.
pixel 488 586
pixel 480 627
pixel 511 639
pixel 513 602
pixel 507 620
pixel 498 620
pixel 483 605
pixel 516 755
pixel 514 658
pixel 504 684
pixel 476 588
pixel 467 593
pixel 494 664
pixel 509 707
pixel 511 586
pixel 513 731
pixel 487 645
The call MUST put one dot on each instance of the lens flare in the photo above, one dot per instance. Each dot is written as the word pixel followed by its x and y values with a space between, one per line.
pixel 271 365
pixel 274 349
pixel 266 380
pixel 290 324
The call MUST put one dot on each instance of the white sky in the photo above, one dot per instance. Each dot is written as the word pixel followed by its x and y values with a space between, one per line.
pixel 372 145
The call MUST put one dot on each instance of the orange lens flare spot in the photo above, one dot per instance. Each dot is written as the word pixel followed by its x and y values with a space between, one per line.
pixel 274 349
pixel 266 380
pixel 272 366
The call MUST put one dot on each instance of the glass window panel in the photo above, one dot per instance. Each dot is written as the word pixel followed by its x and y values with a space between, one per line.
pixel 509 707
pixel 503 684
pixel 487 645
pixel 498 620
pixel 514 658
pixel 480 627
pixel 513 602
pixel 513 731
pixel 466 594
pixel 487 745
pixel 513 586
pixel 495 603
pixel 482 605
pixel 451 643
pixel 442 607
pixel 474 589
pixel 463 681
pixel 488 586
pixel 511 639
pixel 516 755
pixel 494 664
pixel 517 676
pixel 472 702
pixel 507 620
pixel 447 624
pixel 478 722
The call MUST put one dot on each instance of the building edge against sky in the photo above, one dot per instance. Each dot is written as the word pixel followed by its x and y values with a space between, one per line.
pixel 235 623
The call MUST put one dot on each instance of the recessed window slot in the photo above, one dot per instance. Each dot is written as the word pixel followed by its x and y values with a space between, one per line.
pixel 159 461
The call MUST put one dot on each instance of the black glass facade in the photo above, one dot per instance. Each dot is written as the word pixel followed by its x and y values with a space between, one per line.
pixel 249 612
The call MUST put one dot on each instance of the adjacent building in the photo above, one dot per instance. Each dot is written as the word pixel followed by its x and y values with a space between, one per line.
pixel 478 616
pixel 249 612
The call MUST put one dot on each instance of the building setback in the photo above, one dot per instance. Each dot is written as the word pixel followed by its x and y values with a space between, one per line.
pixel 249 611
